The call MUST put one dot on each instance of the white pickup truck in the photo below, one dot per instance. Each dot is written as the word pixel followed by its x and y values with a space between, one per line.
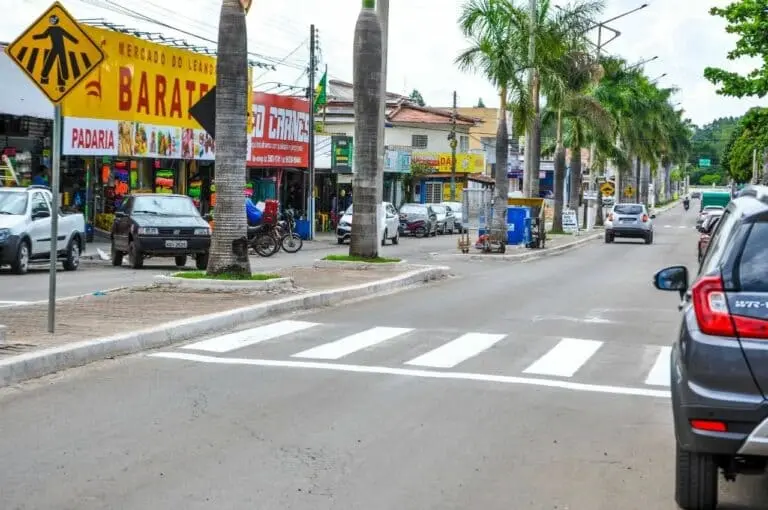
pixel 25 230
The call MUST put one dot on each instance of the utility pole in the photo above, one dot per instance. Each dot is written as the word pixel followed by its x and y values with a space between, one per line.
pixel 382 8
pixel 530 142
pixel 311 159
pixel 452 138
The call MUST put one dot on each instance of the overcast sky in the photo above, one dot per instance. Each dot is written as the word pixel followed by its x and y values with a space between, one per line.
pixel 424 41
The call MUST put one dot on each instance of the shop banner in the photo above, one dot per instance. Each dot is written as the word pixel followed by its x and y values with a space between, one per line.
pixel 397 161
pixel 142 81
pixel 96 137
pixel 441 161
pixel 280 133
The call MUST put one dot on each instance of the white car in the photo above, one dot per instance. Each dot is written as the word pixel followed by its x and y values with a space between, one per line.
pixel 389 225
pixel 25 230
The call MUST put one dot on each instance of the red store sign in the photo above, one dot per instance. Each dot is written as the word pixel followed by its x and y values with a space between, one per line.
pixel 280 134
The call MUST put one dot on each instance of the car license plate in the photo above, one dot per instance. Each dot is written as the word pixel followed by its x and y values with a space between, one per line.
pixel 175 244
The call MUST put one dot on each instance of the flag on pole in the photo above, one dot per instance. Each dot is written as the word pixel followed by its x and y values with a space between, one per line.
pixel 321 96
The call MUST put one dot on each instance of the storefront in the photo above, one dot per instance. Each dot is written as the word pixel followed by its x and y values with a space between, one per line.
pixel 127 128
pixel 278 154
pixel 397 165
pixel 436 187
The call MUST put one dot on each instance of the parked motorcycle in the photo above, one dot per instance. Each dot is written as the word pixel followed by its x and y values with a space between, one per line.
pixel 263 239
pixel 290 241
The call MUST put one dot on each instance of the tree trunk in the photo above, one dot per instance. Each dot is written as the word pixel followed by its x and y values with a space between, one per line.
pixel 573 199
pixel 227 255
pixel 502 181
pixel 536 145
pixel 599 208
pixel 645 180
pixel 559 177
pixel 367 89
pixel 618 193
pixel 638 165
pixel 668 183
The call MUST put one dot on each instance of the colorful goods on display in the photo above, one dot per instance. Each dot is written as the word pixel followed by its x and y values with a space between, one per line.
pixel 195 190
pixel 164 181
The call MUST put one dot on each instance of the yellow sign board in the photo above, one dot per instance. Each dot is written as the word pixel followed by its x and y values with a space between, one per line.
pixel 141 81
pixel 607 188
pixel 442 162
pixel 55 53
pixel 629 191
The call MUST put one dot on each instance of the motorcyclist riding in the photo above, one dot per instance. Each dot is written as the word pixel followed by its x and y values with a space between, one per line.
pixel 686 202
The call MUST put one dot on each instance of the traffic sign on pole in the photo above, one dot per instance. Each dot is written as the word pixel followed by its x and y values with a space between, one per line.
pixel 607 188
pixel 55 53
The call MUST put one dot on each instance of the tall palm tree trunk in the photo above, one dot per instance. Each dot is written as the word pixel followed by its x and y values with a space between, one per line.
pixel 575 186
pixel 502 181
pixel 229 253
pixel 638 164
pixel 559 177
pixel 367 89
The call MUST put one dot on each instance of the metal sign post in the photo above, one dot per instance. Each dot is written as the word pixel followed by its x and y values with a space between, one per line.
pixel 55 177
pixel 57 55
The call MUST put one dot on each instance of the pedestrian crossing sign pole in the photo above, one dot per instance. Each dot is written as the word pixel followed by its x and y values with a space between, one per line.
pixel 56 54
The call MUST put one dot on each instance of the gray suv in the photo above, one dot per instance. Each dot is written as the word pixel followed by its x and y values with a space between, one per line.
pixel 719 361
pixel 629 220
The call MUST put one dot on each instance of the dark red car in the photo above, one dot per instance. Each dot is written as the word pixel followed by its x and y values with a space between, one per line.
pixel 706 229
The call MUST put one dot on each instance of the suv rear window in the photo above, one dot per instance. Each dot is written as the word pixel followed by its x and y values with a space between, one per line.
pixel 753 267
pixel 628 209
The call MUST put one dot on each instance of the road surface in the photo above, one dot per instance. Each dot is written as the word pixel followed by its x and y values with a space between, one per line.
pixel 511 386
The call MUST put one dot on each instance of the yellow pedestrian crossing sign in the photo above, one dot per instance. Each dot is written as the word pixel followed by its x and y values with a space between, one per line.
pixel 629 191
pixel 607 188
pixel 55 53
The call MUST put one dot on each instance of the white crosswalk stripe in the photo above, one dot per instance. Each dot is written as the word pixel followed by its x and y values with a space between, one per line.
pixel 565 358
pixel 451 354
pixel 583 361
pixel 248 337
pixel 353 343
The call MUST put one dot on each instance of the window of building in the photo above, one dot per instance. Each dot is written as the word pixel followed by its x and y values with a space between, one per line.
pixel 463 143
pixel 419 141
pixel 433 192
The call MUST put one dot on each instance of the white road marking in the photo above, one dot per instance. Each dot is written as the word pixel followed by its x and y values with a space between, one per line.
pixel 565 358
pixel 248 337
pixel 428 374
pixel 659 374
pixel 352 343
pixel 456 351
pixel 683 226
pixel 667 226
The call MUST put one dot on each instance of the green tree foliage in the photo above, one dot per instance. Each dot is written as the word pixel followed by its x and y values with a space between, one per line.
pixel 480 103
pixel 709 142
pixel 749 20
pixel 417 98
pixel 751 134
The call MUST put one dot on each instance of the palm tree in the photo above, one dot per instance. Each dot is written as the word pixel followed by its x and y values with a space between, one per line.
pixel 490 26
pixel 229 251
pixel 368 95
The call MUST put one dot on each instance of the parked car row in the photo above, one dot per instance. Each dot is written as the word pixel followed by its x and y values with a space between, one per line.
pixel 415 219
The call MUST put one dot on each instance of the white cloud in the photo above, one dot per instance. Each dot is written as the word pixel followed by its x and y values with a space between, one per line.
pixel 424 40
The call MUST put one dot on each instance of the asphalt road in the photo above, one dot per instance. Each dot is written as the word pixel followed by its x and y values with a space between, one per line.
pixel 90 277
pixel 511 386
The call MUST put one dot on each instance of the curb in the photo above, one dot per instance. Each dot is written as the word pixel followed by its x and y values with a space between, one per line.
pixel 360 266
pixel 36 364
pixel 275 284
pixel 521 257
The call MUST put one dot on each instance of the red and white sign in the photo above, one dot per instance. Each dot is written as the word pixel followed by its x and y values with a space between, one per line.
pixel 89 137
pixel 280 134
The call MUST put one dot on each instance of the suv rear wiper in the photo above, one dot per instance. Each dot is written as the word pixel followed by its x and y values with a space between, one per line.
pixel 146 212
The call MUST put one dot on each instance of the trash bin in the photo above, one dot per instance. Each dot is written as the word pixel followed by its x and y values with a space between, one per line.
pixel 302 228
pixel 517 233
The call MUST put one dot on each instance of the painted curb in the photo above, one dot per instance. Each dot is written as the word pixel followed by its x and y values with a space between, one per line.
pixel 211 284
pixel 359 266
pixel 36 364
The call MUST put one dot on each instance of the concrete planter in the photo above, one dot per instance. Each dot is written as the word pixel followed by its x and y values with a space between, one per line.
pixel 360 266
pixel 276 284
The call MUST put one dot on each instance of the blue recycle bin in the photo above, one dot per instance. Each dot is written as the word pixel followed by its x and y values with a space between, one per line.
pixel 518 225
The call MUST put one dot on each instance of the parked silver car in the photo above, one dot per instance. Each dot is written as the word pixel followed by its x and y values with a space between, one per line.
pixel 631 221
pixel 458 215
pixel 445 219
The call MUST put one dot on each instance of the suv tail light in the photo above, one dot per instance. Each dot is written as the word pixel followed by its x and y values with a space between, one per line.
pixel 645 218
pixel 713 317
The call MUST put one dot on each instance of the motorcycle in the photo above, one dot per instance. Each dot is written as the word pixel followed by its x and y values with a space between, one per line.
pixel 263 239
pixel 686 204
pixel 290 241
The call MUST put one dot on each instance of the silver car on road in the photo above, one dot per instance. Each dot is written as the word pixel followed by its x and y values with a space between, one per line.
pixel 631 221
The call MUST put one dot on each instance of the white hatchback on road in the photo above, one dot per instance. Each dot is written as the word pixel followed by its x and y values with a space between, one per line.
pixel 389 225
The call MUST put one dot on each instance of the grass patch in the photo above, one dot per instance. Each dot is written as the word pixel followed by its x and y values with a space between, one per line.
pixel 351 258
pixel 202 275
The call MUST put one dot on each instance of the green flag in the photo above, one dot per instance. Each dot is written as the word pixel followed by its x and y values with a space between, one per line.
pixel 321 96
